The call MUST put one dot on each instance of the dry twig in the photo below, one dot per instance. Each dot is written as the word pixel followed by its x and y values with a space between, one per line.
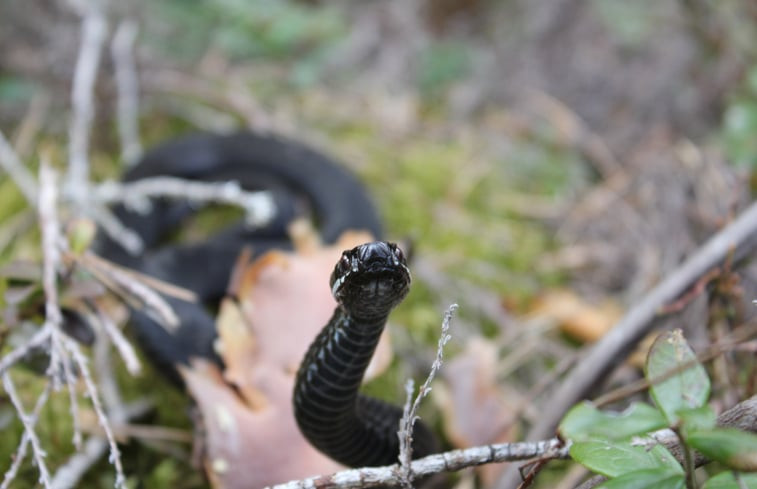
pixel 738 239
pixel 82 363
pixel 94 28
pixel 451 461
pixel 29 435
pixel 122 52
pixel 129 288
pixel 258 206
pixel 410 414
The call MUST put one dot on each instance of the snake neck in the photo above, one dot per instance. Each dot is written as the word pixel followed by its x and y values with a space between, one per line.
pixel 368 282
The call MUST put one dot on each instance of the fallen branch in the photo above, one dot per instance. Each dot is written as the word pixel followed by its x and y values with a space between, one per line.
pixel 739 239
pixel 742 416
pixel 391 475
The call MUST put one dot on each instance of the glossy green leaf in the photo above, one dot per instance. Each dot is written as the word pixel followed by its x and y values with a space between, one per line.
pixel 731 447
pixel 660 478
pixel 615 459
pixel 584 421
pixel 686 389
pixel 727 480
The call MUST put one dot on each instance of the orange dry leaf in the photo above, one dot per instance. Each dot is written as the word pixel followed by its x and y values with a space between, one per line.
pixel 284 300
pixel 576 317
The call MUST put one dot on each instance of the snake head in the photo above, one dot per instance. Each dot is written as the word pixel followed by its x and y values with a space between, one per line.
pixel 370 279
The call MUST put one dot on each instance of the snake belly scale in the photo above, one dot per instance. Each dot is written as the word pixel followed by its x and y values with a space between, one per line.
pixel 367 282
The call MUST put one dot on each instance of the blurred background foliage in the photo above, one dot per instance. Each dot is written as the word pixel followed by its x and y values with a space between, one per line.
pixel 479 126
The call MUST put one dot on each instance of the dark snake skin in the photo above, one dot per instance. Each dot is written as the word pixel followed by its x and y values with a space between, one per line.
pixel 368 282
pixel 303 182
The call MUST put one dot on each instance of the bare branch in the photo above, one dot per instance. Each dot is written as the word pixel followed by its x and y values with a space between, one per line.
pixel 258 206
pixel 130 289
pixel 122 345
pixel 433 464
pixel 10 474
pixel 51 237
pixel 115 454
pixel 69 474
pixel 119 233
pixel 122 52
pixel 739 238
pixel 51 261
pixel 15 355
pixel 93 30
pixel 29 422
pixel 410 414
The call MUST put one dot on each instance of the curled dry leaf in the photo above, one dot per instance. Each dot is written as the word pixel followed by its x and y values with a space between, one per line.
pixel 474 405
pixel 575 316
pixel 283 301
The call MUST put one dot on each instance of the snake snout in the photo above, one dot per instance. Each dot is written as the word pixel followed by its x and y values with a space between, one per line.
pixel 378 254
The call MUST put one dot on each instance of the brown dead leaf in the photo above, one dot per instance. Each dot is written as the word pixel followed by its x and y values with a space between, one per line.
pixel 283 301
pixel 576 317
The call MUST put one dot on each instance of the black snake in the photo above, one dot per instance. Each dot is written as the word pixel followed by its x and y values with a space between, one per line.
pixel 367 282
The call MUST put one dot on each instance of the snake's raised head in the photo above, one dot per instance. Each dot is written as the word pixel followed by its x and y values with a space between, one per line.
pixel 370 278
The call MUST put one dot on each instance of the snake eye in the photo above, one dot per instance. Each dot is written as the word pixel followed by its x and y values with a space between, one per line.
pixel 398 254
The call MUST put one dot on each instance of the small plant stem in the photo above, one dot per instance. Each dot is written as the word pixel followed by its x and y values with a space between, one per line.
pixel 688 460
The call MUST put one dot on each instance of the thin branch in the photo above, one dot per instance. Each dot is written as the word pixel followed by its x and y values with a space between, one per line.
pixel 108 222
pixel 69 474
pixel 122 345
pixel 51 261
pixel 258 206
pixel 17 354
pixel 739 237
pixel 161 286
pixel 28 422
pixel 129 288
pixel 11 163
pixel 742 416
pixel 410 414
pixel 93 30
pixel 50 227
pixel 122 52
pixel 10 474
pixel 115 454
pixel 454 460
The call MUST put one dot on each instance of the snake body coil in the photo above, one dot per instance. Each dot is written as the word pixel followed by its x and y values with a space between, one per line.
pixel 302 181
pixel 368 282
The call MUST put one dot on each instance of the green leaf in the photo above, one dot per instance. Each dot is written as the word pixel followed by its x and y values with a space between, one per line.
pixel 615 459
pixel 660 478
pixel 697 419
pixel 686 389
pixel 727 480
pixel 731 447
pixel 584 421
